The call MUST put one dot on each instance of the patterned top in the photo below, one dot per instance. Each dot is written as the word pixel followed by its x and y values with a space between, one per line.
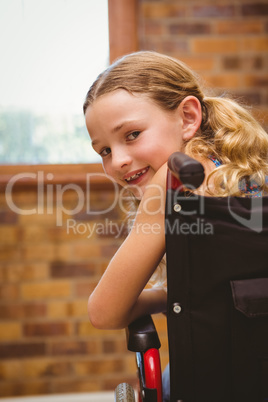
pixel 249 187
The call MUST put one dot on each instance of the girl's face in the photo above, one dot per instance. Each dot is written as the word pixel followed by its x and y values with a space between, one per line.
pixel 134 137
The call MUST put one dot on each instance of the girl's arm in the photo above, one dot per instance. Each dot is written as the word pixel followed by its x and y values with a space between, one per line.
pixel 119 297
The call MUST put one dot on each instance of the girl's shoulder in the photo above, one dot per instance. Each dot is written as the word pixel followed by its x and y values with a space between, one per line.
pixel 158 182
pixel 161 174
pixel 155 194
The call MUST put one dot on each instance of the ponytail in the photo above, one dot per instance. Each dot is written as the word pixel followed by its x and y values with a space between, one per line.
pixel 230 133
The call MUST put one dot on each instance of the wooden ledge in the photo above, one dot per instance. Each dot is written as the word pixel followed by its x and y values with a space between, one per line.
pixel 27 176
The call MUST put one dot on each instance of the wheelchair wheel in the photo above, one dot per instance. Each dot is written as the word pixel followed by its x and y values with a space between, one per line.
pixel 124 393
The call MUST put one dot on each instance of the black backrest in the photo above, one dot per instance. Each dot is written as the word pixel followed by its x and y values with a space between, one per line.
pixel 217 270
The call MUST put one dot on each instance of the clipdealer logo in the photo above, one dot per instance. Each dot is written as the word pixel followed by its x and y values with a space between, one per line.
pixel 50 196
pixel 254 219
pixel 50 200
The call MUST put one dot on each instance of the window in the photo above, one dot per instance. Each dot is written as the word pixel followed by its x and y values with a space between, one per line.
pixel 51 51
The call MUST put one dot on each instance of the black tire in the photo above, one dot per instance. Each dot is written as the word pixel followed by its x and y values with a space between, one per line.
pixel 124 393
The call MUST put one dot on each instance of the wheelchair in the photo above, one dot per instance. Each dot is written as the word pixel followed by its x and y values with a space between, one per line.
pixel 217 309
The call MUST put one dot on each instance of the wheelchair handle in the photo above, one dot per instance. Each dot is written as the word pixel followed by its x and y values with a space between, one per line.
pixel 188 170
pixel 142 335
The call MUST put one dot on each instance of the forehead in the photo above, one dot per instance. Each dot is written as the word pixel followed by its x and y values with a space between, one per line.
pixel 112 109
pixel 119 98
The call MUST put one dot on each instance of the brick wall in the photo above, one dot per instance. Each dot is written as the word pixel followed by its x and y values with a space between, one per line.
pixel 53 251
pixel 49 266
pixel 225 41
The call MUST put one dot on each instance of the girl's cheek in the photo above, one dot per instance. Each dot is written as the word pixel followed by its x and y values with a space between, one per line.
pixel 108 171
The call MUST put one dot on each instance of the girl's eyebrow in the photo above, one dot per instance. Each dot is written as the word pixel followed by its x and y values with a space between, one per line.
pixel 121 125
pixel 116 128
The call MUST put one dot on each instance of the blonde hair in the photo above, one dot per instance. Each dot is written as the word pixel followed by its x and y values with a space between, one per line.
pixel 233 136
pixel 228 131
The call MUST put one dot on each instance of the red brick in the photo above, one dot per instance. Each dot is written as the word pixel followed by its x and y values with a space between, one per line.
pixel 9 253
pixel 256 80
pixel 10 331
pixel 63 251
pixel 131 365
pixel 62 270
pixel 34 233
pixel 9 292
pixel 56 289
pixel 39 252
pixel 8 217
pixel 21 311
pixel 99 367
pixel 60 309
pixel 37 217
pixel 98 214
pixel 115 346
pixel 232 62
pixel 153 27
pixel 254 62
pixel 189 28
pixel 83 251
pixel 46 367
pixel 20 349
pixel 215 45
pixel 22 198
pixel 224 80
pixel 10 369
pixel 162 10
pixel 172 45
pixel 75 347
pixel 213 10
pixel 254 9
pixel 20 271
pixel 20 387
pixel 241 27
pixel 259 44
pixel 68 232
pixel 245 63
pixel 46 329
pixel 10 234
pixel 199 63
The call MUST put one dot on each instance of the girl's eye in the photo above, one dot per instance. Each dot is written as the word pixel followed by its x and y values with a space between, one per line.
pixel 105 152
pixel 132 136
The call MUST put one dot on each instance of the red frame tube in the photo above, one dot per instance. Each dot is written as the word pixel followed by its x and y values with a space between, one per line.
pixel 152 369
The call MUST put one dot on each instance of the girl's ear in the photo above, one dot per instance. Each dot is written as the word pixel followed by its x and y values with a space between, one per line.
pixel 191 114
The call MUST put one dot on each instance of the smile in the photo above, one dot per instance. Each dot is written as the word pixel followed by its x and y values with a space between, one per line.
pixel 136 175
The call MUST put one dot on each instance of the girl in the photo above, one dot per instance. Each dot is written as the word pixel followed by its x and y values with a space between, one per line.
pixel 140 110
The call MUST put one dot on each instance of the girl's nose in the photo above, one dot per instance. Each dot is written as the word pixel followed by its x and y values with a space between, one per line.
pixel 121 158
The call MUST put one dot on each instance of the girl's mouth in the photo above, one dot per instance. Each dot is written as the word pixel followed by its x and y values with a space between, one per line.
pixel 135 178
